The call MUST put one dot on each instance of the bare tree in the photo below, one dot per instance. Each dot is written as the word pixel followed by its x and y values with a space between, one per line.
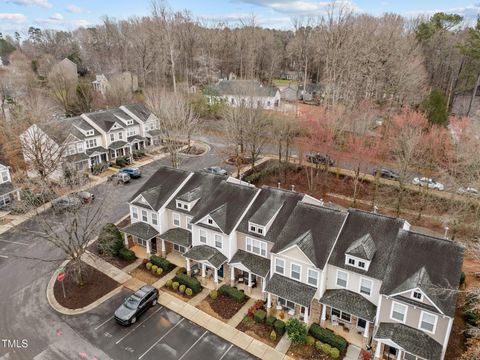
pixel 63 88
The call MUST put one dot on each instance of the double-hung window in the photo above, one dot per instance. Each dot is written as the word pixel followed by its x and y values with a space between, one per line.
pixel 120 135
pixel 342 279
pixel 144 216
pixel 365 286
pixel 399 311
pixel 4 176
pixel 134 213
pixel 218 241
pixel 428 322
pixel 295 271
pixel 154 218
pixel 176 219
pixel 189 223
pixel 256 246
pixel 203 236
pixel 312 277
pixel 279 266
pixel 112 137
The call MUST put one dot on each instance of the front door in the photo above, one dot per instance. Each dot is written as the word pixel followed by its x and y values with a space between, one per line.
pixel 220 272
pixel 154 245
pixel 389 352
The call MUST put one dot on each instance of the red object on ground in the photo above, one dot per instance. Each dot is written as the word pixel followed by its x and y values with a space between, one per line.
pixel 61 276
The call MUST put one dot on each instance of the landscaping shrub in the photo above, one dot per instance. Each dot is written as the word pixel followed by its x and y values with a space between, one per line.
pixel 310 340
pixel 175 285
pixel 462 278
pixel 188 292
pixel 169 283
pixel 326 348
pixel 149 265
pixel 273 335
pixel 145 261
pixel 327 336
pixel 122 161
pixel 159 271
pixel 182 288
pixel 190 282
pixel 182 270
pixel 365 355
pixel 334 352
pixel 471 317
pixel 138 154
pixel 235 294
pixel 126 254
pixel 270 320
pixel 296 330
pixel 259 316
pixel 160 262
pixel 279 327
pixel 154 268
pixel 213 294
pixel 318 345
pixel 257 305
pixel 110 240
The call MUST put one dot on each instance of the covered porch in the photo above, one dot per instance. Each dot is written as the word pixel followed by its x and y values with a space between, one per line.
pixel 137 142
pixel 397 341
pixel 154 137
pixel 207 264
pixel 292 296
pixel 248 272
pixel 8 193
pixel 348 314
pixel 97 155
pixel 119 148
pixel 78 161
pixel 175 240
pixel 143 236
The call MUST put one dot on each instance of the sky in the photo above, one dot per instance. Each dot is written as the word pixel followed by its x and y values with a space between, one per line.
pixel 19 15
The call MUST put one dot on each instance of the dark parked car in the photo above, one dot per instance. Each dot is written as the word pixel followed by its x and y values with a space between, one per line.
pixel 119 178
pixel 217 170
pixel 66 203
pixel 136 304
pixel 386 174
pixel 317 158
pixel 134 173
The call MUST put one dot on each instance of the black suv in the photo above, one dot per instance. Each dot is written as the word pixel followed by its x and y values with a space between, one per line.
pixel 386 174
pixel 317 158
pixel 136 304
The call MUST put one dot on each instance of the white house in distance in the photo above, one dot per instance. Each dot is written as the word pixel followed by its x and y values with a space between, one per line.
pixel 8 192
pixel 248 92
pixel 90 139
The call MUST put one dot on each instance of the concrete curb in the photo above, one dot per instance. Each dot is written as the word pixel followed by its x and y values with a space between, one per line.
pixel 204 144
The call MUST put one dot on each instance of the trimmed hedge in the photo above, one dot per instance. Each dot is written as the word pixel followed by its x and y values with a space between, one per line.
pixel 259 316
pixel 327 336
pixel 160 262
pixel 126 254
pixel 270 320
pixel 279 326
pixel 189 282
pixel 235 294
pixel 310 340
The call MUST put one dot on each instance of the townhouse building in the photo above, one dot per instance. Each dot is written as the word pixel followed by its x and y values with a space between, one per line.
pixel 8 191
pixel 92 138
pixel 363 275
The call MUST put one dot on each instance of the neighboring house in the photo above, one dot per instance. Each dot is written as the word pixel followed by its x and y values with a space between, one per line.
pixel 248 92
pixel 289 93
pixel 67 68
pixel 311 92
pixel 127 79
pixel 90 139
pixel 100 84
pixel 8 192
pixel 363 275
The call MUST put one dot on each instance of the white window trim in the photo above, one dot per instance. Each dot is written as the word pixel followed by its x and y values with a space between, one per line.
pixel 252 227
pixel 336 279
pixel 142 211
pixel 422 313
pixel 360 286
pixel 341 312
pixel 318 276
pixel 189 225
pixel 200 232
pixel 275 265
pixel 260 243
pixel 176 216
pixel 215 237
pixel 134 213
pixel 112 137
pixel 414 298
pixel 291 268
pixel 404 316
pixel 154 214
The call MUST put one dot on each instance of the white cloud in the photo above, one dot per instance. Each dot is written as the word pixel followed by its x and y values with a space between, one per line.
pixel 56 17
pixel 469 13
pixel 55 22
pixel 41 3
pixel 302 7
pixel 13 18
pixel 74 9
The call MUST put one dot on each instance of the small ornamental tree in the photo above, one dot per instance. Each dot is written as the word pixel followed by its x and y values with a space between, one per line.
pixel 297 331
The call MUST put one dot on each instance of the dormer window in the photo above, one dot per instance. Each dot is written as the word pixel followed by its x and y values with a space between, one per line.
pixel 183 205
pixel 361 264
pixel 417 295
pixel 351 261
pixel 210 222
pixel 129 122
pixel 89 132
pixel 257 229
pixel 356 262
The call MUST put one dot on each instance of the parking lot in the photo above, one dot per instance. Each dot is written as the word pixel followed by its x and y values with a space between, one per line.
pixel 159 334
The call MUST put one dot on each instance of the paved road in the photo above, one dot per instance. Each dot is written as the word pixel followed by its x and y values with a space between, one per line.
pixel 24 311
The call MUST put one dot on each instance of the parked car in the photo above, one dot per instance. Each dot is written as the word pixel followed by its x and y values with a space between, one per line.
pixel 468 191
pixel 134 173
pixel 217 170
pixel 119 178
pixel 317 158
pixel 428 182
pixel 85 196
pixel 136 304
pixel 66 203
pixel 386 174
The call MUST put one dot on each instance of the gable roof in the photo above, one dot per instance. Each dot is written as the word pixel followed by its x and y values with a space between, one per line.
pixel 431 264
pixel 139 110
pixel 313 229
pixel 381 229
pixel 363 248
pixel 105 119
pixel 243 87
pixel 59 130
pixel 161 185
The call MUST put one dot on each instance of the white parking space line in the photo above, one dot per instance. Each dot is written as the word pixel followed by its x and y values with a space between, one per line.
pixel 14 242
pixel 226 352
pixel 191 347
pixel 103 323
pixel 156 342
pixel 139 324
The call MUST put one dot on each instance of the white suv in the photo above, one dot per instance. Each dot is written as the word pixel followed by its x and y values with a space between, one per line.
pixel 428 182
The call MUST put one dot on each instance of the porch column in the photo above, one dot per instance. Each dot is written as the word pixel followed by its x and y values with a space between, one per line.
pixel 232 276
pixel 269 301
pixel 324 314
pixel 399 354
pixel 164 251
pixel 203 270
pixel 215 277
pixel 188 266
pixel 18 195
pixel 305 317
pixel 249 283
pixel 378 350
pixel 365 332
pixel 125 239
pixel 149 247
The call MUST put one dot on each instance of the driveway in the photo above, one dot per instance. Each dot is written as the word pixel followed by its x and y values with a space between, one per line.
pixel 158 334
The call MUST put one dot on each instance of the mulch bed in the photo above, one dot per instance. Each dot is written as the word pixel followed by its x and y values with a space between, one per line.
pixel 96 285
pixel 178 294
pixel 224 306
pixel 193 150
pixel 141 273
pixel 306 352
pixel 115 261
pixel 259 331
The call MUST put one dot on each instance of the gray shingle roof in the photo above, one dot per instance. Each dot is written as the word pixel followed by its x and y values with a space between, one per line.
pixel 290 289
pixel 429 263
pixel 313 229
pixel 59 130
pixel 243 87
pixel 206 253
pixel 178 236
pixel 363 248
pixel 105 119
pixel 154 132
pixel 6 188
pixel 161 185
pixel 412 340
pixel 256 264
pixel 141 230
pixel 135 137
pixel 382 229
pixel 99 149
pixel 117 144
pixel 77 157
pixel 350 302
pixel 139 110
